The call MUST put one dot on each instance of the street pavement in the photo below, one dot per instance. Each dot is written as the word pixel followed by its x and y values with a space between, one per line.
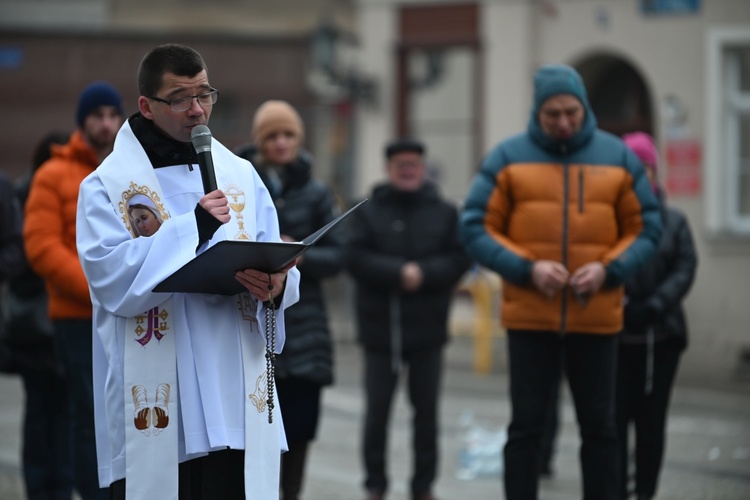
pixel 708 450
pixel 707 457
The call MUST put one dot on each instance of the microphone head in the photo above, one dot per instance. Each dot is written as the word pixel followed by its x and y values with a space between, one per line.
pixel 201 137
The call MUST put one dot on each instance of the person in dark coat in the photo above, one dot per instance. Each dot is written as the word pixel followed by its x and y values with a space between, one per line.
pixel 46 446
pixel 654 337
pixel 406 259
pixel 11 254
pixel 304 204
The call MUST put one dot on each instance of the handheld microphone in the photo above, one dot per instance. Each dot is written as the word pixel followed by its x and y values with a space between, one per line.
pixel 201 137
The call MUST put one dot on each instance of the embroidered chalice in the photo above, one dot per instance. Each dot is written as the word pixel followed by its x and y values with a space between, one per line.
pixel 237 203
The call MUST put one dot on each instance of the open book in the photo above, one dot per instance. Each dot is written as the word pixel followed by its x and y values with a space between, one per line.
pixel 213 271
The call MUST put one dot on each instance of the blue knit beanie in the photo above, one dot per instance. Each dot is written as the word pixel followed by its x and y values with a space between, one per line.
pixel 554 79
pixel 99 93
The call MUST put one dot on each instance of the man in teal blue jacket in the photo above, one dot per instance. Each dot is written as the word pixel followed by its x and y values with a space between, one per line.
pixel 564 213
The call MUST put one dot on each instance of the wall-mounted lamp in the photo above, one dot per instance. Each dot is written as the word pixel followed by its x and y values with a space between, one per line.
pixel 329 77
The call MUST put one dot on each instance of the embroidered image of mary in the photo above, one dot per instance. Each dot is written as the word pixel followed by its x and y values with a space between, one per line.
pixel 145 218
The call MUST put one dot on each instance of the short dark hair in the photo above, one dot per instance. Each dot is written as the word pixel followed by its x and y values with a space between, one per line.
pixel 180 60
pixel 43 150
pixel 403 146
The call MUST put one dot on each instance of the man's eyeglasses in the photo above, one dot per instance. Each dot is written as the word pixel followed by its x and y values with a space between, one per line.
pixel 179 104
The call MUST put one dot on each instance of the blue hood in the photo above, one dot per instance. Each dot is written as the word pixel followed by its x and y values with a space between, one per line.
pixel 554 79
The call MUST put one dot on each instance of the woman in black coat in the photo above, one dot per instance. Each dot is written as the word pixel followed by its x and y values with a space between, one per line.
pixel 304 205
pixel 654 337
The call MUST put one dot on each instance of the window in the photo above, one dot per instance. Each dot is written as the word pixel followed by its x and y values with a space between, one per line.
pixel 728 138
pixel 64 14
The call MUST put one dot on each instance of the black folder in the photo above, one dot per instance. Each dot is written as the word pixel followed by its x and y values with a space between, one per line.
pixel 213 271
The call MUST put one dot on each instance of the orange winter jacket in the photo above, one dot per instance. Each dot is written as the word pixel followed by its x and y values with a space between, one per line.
pixel 576 200
pixel 49 229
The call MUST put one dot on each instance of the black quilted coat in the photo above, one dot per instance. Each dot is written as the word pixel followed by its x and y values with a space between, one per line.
pixel 391 228
pixel 304 205
pixel 655 293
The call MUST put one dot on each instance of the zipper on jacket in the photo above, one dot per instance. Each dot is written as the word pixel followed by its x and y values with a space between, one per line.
pixel 580 190
pixel 566 198
pixel 396 333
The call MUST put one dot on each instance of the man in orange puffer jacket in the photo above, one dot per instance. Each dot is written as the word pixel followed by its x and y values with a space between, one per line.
pixel 564 213
pixel 50 239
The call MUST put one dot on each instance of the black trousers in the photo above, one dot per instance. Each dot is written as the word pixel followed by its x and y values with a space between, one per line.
pixel 589 362
pixel 551 427
pixel 299 400
pixel 220 474
pixel 47 454
pixel 646 411
pixel 423 383
pixel 74 342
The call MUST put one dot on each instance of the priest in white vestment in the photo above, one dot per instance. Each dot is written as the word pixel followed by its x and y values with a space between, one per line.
pixel 180 378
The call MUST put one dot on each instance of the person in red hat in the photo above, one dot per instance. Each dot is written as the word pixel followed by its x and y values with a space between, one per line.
pixel 654 337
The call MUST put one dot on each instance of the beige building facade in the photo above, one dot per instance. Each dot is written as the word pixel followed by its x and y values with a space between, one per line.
pixel 682 74
pixel 454 73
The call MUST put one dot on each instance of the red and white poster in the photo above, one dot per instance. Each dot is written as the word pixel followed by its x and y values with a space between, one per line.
pixel 683 176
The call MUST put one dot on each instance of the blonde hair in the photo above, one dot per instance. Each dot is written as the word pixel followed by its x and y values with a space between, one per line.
pixel 274 115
